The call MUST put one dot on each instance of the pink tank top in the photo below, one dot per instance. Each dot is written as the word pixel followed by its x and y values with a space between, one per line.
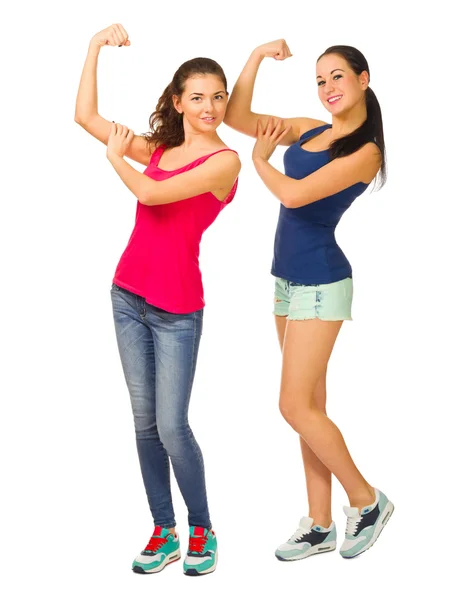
pixel 160 262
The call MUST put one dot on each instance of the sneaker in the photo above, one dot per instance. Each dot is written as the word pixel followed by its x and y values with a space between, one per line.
pixel 202 554
pixel 363 528
pixel 309 539
pixel 162 549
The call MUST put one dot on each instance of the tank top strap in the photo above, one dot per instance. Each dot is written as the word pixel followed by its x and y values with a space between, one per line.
pixel 156 156
pixel 202 159
pixel 314 131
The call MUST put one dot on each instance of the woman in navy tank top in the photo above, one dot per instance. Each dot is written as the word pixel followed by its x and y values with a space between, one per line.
pixel 326 168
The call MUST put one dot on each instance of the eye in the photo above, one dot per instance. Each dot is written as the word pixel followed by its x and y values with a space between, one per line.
pixel 196 98
pixel 219 97
pixel 338 76
pixel 320 83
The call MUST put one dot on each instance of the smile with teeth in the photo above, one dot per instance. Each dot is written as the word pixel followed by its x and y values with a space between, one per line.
pixel 334 99
pixel 208 119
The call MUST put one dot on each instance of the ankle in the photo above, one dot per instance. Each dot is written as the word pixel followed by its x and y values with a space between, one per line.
pixel 323 520
pixel 363 497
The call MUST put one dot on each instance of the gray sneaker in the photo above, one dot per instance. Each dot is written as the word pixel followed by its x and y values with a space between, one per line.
pixel 307 540
pixel 363 528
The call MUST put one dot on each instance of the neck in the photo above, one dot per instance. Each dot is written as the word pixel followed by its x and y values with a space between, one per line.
pixel 342 125
pixel 196 139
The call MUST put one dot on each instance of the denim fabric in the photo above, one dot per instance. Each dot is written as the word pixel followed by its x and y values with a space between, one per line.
pixel 159 351
pixel 325 301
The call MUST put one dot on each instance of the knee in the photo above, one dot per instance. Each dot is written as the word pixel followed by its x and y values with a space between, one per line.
pixel 145 426
pixel 174 437
pixel 144 414
pixel 291 412
pixel 296 412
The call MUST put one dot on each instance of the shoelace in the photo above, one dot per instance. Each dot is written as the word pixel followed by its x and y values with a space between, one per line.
pixel 155 543
pixel 197 544
pixel 298 534
pixel 351 525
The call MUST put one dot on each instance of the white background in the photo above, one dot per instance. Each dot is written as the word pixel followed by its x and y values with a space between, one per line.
pixel 74 511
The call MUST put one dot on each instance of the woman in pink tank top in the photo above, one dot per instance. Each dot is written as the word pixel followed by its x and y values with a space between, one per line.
pixel 157 292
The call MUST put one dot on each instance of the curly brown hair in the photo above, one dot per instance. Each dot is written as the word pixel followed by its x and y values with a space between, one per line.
pixel 166 124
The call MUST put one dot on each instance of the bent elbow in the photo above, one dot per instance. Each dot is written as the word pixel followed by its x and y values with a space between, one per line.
pixel 232 122
pixel 238 120
pixel 289 201
pixel 150 199
pixel 298 201
pixel 145 199
pixel 82 121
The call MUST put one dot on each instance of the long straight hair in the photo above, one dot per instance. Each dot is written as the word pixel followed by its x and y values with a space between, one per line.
pixel 372 128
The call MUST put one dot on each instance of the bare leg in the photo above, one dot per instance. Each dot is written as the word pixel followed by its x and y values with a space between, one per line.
pixel 318 477
pixel 307 347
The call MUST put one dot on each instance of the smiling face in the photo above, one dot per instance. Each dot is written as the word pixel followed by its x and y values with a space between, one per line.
pixel 339 88
pixel 203 102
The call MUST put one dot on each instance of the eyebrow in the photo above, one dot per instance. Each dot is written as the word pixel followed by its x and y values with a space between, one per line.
pixel 200 94
pixel 331 72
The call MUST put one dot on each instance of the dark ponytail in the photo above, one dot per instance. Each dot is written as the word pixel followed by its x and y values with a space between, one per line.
pixel 372 128
pixel 166 124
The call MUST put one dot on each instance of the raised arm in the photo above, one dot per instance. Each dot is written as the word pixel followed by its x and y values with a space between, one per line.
pixel 86 111
pixel 239 113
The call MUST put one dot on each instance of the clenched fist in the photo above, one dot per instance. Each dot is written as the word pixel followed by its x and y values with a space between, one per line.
pixel 115 35
pixel 278 50
pixel 119 140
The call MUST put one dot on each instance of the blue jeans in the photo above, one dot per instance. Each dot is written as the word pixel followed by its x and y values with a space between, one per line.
pixel 158 350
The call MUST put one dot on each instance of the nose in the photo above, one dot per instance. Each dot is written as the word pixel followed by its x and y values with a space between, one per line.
pixel 329 87
pixel 208 105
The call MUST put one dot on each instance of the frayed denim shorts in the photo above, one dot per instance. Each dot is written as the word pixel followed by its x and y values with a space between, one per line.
pixel 325 301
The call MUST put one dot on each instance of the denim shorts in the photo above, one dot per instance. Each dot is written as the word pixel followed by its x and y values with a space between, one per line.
pixel 325 301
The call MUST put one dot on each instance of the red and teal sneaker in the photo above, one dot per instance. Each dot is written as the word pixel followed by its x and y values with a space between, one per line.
pixel 162 549
pixel 202 554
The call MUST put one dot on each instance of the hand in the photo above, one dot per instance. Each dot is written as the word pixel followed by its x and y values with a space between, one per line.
pixel 119 140
pixel 115 35
pixel 268 138
pixel 278 50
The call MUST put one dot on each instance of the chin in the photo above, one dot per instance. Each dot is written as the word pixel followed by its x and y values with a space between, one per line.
pixel 336 110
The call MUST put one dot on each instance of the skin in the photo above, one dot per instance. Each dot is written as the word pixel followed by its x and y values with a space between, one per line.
pixel 204 96
pixel 307 345
pixel 217 175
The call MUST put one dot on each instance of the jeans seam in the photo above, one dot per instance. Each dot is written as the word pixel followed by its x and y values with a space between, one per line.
pixel 195 445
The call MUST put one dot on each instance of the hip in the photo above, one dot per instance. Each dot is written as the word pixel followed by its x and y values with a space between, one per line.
pixel 325 301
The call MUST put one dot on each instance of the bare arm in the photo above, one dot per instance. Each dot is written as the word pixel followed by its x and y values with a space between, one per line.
pixel 339 174
pixel 86 111
pixel 218 172
pixel 239 113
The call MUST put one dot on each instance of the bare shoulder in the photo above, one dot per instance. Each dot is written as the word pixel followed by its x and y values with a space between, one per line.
pixel 371 151
pixel 225 158
pixel 368 160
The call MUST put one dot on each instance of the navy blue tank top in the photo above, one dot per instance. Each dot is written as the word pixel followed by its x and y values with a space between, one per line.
pixel 305 247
